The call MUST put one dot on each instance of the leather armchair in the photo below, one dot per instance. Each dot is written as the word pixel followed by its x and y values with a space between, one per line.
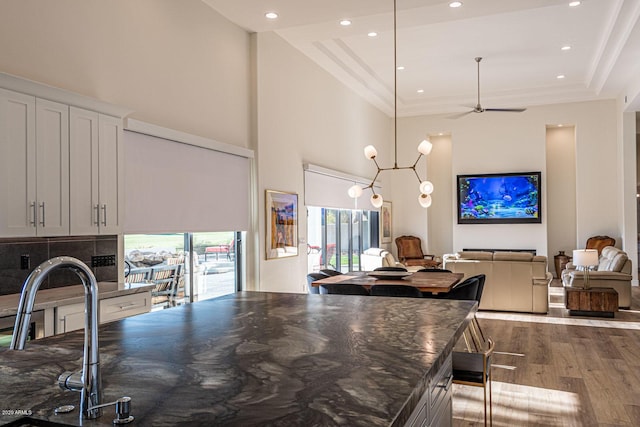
pixel 614 271
pixel 410 253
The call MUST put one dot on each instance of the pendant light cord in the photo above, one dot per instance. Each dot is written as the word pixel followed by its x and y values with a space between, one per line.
pixel 395 86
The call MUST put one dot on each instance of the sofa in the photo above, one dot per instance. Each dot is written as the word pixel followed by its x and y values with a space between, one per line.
pixel 613 271
pixel 515 281
pixel 373 258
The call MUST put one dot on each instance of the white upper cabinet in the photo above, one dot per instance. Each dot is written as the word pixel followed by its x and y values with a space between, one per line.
pixel 52 168
pixel 61 162
pixel 96 179
pixel 34 147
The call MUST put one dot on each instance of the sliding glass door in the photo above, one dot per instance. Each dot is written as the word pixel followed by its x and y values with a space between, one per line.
pixel 185 267
pixel 337 237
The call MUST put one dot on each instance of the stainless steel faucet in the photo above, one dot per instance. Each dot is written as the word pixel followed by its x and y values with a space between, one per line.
pixel 88 381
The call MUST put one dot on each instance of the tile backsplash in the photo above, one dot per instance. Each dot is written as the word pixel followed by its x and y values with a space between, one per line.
pixel 38 250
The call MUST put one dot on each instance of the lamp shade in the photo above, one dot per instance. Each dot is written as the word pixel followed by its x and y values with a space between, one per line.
pixel 424 200
pixel 370 152
pixel 426 187
pixel 585 257
pixel 376 200
pixel 355 191
pixel 425 147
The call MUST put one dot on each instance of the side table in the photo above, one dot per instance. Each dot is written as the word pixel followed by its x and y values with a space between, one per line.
pixel 602 302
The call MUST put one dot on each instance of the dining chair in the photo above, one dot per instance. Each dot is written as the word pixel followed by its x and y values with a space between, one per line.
pixel 138 275
pixel 395 291
pixel 345 289
pixel 167 279
pixel 466 290
pixel 388 268
pixel 481 280
pixel 474 369
pixel 330 272
pixel 312 277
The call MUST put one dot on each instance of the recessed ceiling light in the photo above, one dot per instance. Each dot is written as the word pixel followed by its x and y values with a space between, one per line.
pixel 271 15
pixel 372 34
pixel 575 3
pixel 560 76
pixel 345 22
pixel 567 47
pixel 420 90
pixel 559 126
pixel 400 67
pixel 455 4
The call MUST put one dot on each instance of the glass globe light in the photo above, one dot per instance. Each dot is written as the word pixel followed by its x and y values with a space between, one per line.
pixel 425 147
pixel 424 200
pixel 370 152
pixel 426 187
pixel 355 191
pixel 376 200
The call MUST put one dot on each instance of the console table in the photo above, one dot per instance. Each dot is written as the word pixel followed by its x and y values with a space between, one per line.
pixel 602 302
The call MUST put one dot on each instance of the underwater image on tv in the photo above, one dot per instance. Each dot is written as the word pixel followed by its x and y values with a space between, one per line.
pixel 510 198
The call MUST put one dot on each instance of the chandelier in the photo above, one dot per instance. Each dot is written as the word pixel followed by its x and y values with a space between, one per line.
pixel 370 152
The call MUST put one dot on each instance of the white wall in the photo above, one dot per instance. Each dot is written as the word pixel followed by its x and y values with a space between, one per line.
pixel 177 64
pixel 561 190
pixel 305 115
pixel 503 142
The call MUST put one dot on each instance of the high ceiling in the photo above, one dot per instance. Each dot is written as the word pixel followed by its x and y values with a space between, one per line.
pixel 520 42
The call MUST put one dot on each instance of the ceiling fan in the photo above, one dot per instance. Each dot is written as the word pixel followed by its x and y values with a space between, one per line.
pixel 478 107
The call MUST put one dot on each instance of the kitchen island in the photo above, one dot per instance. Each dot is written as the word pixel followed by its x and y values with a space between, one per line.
pixel 253 358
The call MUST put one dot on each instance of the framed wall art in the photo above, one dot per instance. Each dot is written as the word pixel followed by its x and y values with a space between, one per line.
pixel 385 222
pixel 282 224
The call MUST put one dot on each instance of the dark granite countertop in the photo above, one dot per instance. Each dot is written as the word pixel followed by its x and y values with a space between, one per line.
pixel 49 298
pixel 253 358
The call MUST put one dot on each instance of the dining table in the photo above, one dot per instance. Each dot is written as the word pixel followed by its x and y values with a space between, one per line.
pixel 434 282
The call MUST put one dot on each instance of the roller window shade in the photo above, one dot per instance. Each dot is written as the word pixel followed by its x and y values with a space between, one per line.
pixel 325 190
pixel 172 187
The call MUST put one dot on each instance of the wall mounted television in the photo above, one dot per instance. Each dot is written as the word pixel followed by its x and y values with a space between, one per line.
pixel 501 198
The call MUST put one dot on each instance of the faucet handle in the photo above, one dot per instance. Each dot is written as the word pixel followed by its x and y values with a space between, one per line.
pixel 71 381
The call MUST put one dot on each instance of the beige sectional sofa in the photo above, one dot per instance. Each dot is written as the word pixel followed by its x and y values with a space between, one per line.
pixel 515 281
pixel 614 271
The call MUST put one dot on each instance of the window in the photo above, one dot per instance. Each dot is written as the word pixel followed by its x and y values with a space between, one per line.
pixel 185 267
pixel 337 237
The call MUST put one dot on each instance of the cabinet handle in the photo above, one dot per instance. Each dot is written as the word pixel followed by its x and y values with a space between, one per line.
pixel 97 208
pixel 104 215
pixel 124 306
pixel 34 213
pixel 42 219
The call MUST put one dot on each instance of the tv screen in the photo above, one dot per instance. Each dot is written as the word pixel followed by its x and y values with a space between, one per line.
pixel 507 198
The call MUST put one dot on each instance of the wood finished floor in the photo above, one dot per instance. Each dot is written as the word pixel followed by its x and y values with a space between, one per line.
pixel 559 370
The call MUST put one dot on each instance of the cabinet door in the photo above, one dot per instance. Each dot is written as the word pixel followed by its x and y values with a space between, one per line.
pixel 84 202
pixel 110 174
pixel 52 174
pixel 18 164
pixel 69 318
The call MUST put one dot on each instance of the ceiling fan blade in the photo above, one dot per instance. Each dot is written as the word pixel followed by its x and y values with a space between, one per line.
pixel 507 110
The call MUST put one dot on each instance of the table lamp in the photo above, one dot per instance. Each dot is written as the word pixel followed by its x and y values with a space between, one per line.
pixel 585 258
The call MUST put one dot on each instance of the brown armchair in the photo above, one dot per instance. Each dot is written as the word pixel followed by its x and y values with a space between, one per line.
pixel 410 252
pixel 600 242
